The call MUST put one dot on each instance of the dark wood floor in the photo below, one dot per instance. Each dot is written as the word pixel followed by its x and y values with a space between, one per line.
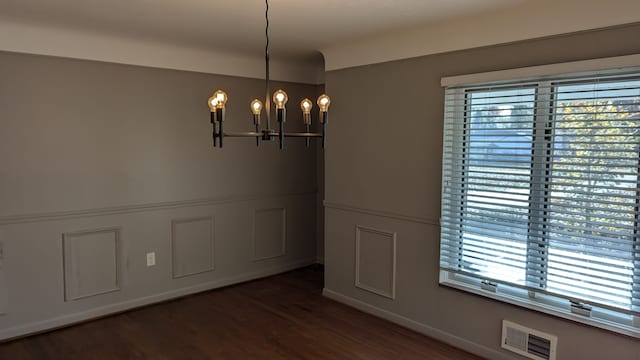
pixel 281 317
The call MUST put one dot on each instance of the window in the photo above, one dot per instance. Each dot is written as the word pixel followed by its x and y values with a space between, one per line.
pixel 541 195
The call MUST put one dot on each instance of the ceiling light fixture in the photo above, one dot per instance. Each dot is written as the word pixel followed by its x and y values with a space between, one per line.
pixel 217 103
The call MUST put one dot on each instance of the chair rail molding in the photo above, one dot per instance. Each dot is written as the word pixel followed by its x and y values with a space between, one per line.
pixel 381 213
pixel 152 206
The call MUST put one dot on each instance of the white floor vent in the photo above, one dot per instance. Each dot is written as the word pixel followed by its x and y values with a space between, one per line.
pixel 528 342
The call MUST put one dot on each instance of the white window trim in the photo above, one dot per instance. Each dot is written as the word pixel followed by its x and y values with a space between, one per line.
pixel 600 317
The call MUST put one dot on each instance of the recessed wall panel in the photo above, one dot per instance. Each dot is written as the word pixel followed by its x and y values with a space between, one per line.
pixel 3 289
pixel 376 261
pixel 91 263
pixel 192 245
pixel 269 236
pixel 3 292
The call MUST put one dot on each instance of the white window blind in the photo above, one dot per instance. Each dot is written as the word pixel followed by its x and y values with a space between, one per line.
pixel 540 188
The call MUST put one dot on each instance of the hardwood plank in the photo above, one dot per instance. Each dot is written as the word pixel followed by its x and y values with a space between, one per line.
pixel 281 317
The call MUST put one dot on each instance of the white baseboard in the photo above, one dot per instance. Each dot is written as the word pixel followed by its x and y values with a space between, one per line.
pixel 70 319
pixel 427 330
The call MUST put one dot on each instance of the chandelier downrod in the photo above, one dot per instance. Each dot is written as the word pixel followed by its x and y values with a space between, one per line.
pixel 267 99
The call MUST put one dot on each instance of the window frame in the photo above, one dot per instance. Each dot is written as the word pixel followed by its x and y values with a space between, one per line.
pixel 600 316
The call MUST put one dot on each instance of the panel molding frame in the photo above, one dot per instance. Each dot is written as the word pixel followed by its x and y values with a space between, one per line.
pixel 394 237
pixel 4 301
pixel 117 230
pixel 283 252
pixel 212 239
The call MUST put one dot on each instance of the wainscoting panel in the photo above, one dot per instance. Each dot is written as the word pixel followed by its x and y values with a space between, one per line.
pixel 269 233
pixel 192 246
pixel 376 261
pixel 91 263
pixel 187 238
pixel 3 292
pixel 3 285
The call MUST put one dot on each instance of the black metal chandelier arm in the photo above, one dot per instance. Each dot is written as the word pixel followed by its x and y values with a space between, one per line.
pixel 265 134
pixel 242 134
pixel 307 135
pixel 273 134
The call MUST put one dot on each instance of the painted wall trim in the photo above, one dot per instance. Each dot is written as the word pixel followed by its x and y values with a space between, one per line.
pixel 66 320
pixel 394 241
pixel 63 215
pixel 69 272
pixel 283 241
pixel 520 21
pixel 585 66
pixel 3 285
pixel 212 242
pixel 381 213
pixel 54 41
pixel 416 326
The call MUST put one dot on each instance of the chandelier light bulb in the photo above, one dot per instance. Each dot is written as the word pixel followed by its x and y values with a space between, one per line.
pixel 323 102
pixel 256 106
pixel 306 106
pixel 213 103
pixel 221 98
pixel 280 98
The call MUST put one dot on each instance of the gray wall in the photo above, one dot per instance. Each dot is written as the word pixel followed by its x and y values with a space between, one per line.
pixel 383 168
pixel 102 163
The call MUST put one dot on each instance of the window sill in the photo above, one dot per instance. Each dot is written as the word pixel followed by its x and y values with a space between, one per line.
pixel 601 318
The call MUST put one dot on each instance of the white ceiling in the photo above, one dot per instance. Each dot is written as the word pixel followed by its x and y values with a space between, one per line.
pixel 299 28
pixel 308 37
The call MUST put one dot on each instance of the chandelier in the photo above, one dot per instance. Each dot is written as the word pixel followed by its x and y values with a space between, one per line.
pixel 218 101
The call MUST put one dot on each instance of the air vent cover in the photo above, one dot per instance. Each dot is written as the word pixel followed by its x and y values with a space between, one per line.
pixel 528 342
